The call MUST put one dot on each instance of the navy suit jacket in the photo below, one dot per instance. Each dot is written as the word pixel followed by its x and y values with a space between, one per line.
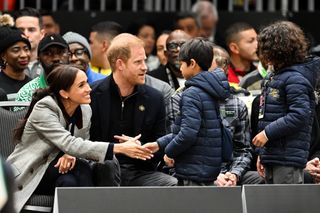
pixel 149 116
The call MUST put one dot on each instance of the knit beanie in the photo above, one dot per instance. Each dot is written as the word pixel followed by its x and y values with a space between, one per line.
pixel 72 37
pixel 9 36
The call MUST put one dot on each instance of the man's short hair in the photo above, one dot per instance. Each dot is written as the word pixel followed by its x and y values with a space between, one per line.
pixel 120 48
pixel 185 15
pixel 107 29
pixel 44 12
pixel 200 8
pixel 232 32
pixel 28 11
pixel 221 57
pixel 199 50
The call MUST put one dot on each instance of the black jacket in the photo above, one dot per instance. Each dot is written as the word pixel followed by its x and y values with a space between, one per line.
pixel 149 116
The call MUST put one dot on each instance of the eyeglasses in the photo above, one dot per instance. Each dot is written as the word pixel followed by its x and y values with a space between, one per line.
pixel 174 45
pixel 77 52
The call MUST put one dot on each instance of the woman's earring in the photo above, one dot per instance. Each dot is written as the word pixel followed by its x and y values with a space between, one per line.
pixel 4 61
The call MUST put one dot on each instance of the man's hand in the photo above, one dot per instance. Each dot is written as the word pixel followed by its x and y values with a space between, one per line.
pixel 169 161
pixel 260 168
pixel 65 163
pixel 123 138
pixel 132 148
pixel 313 167
pixel 227 179
pixel 260 139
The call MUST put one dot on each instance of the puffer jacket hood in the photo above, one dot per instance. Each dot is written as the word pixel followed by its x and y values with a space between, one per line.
pixel 214 83
pixel 310 69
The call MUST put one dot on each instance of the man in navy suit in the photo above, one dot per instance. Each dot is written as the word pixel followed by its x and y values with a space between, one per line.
pixel 123 104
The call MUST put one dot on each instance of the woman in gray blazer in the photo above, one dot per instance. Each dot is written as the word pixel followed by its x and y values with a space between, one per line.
pixel 58 123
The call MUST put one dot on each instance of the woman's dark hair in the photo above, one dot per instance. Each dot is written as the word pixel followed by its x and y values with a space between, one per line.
pixel 61 78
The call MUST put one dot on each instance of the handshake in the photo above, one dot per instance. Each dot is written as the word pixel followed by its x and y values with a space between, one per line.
pixel 131 147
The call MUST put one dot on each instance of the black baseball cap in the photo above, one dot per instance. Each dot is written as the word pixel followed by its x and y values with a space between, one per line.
pixel 49 40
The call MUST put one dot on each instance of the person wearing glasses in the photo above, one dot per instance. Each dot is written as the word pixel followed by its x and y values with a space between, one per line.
pixel 53 50
pixel 171 73
pixel 80 54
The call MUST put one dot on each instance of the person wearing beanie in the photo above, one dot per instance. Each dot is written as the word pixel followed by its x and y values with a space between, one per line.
pixel 14 58
pixel 80 54
pixel 53 50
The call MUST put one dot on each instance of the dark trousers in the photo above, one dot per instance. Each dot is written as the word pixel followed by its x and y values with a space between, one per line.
pixel 107 173
pixel 251 177
pixel 183 182
pixel 132 176
pixel 283 175
pixel 80 175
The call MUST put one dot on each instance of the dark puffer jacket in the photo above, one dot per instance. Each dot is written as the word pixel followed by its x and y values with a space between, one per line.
pixel 288 114
pixel 195 141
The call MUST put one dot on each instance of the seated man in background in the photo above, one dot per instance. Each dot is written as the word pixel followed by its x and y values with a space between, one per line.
pixel 241 40
pixel 80 54
pixel 29 21
pixel 171 73
pixel 101 35
pixel 53 51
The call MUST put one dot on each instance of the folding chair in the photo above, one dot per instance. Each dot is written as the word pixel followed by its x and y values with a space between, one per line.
pixel 8 121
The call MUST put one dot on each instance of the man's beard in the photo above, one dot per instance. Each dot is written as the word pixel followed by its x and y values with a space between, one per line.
pixel 48 68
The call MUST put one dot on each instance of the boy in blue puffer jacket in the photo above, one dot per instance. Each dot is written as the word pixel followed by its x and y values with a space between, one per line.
pixel 287 103
pixel 194 146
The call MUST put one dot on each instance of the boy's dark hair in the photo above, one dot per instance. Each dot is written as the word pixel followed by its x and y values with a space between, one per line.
pixel 198 49
pixel 107 28
pixel 282 44
pixel 28 11
pixel 232 31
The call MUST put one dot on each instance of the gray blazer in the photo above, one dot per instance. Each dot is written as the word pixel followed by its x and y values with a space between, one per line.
pixel 44 136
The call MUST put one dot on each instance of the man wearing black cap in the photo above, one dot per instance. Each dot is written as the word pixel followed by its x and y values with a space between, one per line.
pixel 53 50
pixel 14 58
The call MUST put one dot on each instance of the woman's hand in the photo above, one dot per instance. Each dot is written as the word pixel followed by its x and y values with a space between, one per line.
pixel 132 148
pixel 65 163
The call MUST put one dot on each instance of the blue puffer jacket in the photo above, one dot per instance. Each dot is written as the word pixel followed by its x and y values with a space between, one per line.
pixel 195 141
pixel 288 114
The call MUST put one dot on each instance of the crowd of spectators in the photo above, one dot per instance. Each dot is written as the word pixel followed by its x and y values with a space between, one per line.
pixel 108 111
